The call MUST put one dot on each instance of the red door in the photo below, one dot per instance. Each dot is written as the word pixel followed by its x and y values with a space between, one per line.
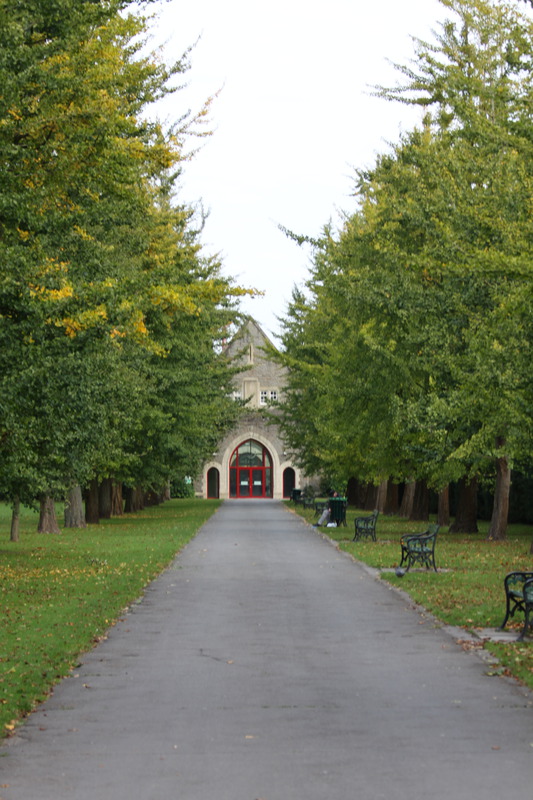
pixel 250 471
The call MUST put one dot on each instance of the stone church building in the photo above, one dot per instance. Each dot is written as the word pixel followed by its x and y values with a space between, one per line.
pixel 251 461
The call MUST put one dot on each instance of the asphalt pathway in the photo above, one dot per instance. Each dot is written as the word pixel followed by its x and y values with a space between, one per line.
pixel 266 665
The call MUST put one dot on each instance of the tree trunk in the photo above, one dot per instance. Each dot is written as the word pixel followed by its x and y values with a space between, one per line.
pixel 420 510
pixel 443 514
pixel 500 509
pixel 74 514
pixel 370 497
pixel 392 502
pixel 381 496
pixel 362 493
pixel 127 491
pixel 47 516
pixel 151 498
pixel 104 499
pixel 138 498
pixel 91 503
pixel 15 520
pixel 352 492
pixel 117 503
pixel 466 514
pixel 134 499
pixel 406 506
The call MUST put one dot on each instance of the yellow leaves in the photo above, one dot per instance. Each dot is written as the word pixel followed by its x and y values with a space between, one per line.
pixel 61 294
pixel 82 233
pixel 84 321
pixel 56 60
pixel 135 148
pixel 117 334
pixel 173 299
pixel 139 324
pixel 53 266
pixel 135 328
pixel 64 293
pixel 72 327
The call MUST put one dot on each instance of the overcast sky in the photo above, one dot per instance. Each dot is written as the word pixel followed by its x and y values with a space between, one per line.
pixel 293 119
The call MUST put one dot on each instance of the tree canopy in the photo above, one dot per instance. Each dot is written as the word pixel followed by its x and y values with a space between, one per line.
pixel 110 313
pixel 415 311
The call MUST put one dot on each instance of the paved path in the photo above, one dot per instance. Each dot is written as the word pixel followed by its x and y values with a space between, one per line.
pixel 265 665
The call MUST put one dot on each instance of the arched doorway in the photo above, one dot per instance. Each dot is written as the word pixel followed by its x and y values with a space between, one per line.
pixel 289 481
pixel 213 483
pixel 250 471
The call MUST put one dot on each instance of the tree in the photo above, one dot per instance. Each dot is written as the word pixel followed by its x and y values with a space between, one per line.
pixel 482 98
pixel 93 277
pixel 421 280
pixel 463 223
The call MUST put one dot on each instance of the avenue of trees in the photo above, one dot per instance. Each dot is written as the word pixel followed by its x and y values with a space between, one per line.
pixel 110 314
pixel 409 349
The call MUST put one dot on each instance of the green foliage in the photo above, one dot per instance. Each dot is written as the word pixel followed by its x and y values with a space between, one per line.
pixel 103 285
pixel 409 349
pixel 59 599
pixel 182 487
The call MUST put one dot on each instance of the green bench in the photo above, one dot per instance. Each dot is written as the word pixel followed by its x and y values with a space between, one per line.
pixel 365 527
pixel 519 597
pixel 420 548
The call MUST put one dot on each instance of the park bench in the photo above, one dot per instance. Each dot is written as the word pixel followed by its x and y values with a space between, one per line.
pixel 519 596
pixel 365 527
pixel 420 548
pixel 308 501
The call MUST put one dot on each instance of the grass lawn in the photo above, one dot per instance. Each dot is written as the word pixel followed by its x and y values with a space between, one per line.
pixel 61 593
pixel 469 594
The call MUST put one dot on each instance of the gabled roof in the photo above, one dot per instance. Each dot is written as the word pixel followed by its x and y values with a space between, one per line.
pixel 249 330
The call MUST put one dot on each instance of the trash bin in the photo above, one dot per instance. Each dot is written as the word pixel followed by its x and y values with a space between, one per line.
pixel 338 510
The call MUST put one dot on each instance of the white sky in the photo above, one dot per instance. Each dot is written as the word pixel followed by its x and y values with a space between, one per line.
pixel 293 120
